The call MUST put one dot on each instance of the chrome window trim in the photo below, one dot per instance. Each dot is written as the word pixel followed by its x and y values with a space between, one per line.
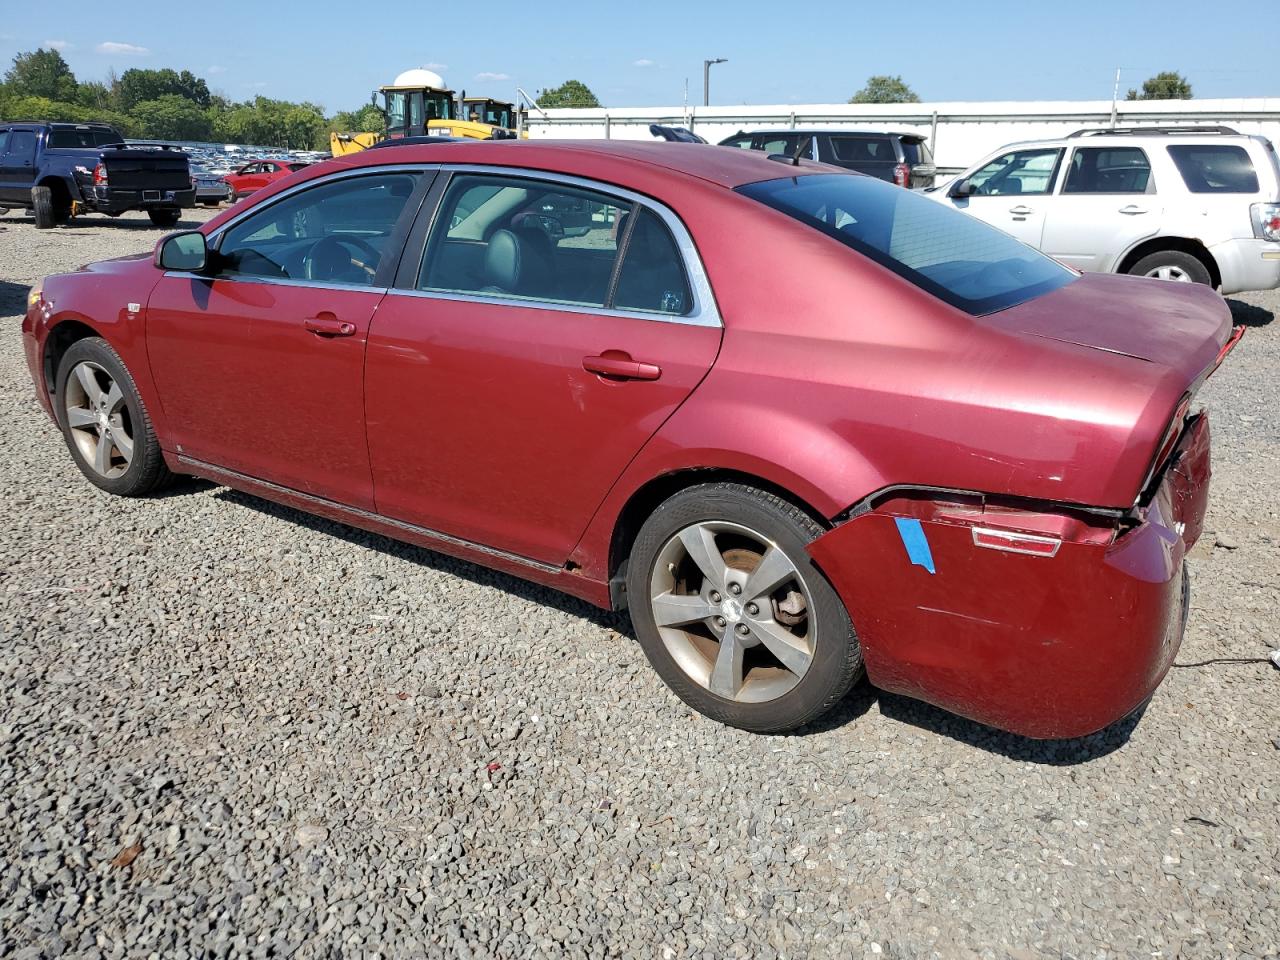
pixel 274 281
pixel 705 313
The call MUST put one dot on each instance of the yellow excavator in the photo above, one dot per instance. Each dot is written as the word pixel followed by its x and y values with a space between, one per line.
pixel 418 103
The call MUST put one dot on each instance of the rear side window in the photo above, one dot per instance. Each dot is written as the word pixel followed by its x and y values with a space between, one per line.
pixel 652 277
pixel 742 141
pixel 778 143
pixel 1108 170
pixel 1215 168
pixel 63 139
pixel 916 152
pixel 863 150
pixel 957 258
pixel 4 142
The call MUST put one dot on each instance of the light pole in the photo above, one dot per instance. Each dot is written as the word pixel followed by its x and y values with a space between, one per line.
pixel 706 79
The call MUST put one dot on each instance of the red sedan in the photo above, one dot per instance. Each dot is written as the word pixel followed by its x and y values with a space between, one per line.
pixel 799 422
pixel 255 175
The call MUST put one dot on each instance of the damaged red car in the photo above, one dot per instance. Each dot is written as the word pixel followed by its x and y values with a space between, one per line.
pixel 799 422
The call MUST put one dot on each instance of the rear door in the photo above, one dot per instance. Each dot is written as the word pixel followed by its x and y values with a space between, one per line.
pixel 507 390
pixel 259 363
pixel 18 165
pixel 1014 191
pixel 1106 204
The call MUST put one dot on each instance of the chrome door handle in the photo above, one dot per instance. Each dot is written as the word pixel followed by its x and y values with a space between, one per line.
pixel 1132 210
pixel 1020 210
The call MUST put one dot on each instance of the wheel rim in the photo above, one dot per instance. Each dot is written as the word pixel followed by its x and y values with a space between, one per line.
pixel 98 416
pixel 1170 272
pixel 733 611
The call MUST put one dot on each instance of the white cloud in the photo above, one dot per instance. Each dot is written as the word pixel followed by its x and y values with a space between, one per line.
pixel 486 75
pixel 437 67
pixel 215 70
pixel 59 44
pixel 642 62
pixel 124 49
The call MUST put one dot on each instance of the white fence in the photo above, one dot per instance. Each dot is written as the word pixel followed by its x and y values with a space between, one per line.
pixel 959 133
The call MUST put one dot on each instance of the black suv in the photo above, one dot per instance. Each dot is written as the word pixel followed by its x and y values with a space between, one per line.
pixel 901 158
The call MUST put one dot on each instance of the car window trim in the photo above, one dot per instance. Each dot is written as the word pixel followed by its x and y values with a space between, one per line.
pixel 395 240
pixel 705 312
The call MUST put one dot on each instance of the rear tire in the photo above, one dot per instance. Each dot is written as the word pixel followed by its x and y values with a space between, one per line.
pixel 1174 265
pixel 165 217
pixel 105 425
pixel 42 208
pixel 791 649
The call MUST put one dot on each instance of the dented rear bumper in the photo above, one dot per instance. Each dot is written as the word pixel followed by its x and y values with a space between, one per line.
pixel 959 602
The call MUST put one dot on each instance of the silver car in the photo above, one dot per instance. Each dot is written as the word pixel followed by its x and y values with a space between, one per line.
pixel 211 189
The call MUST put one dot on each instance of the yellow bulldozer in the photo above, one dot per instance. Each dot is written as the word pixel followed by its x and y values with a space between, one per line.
pixel 418 103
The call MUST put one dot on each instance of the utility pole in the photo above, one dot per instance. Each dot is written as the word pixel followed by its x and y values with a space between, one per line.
pixel 706 79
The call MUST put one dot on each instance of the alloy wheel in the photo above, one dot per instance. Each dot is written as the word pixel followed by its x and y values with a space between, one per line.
pixel 99 419
pixel 733 611
pixel 1170 272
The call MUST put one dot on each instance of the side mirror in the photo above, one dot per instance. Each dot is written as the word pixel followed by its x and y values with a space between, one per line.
pixel 185 251
pixel 962 190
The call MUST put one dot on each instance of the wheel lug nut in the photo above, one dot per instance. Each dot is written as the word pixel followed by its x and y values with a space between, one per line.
pixel 752 609
pixel 715 596
pixel 735 588
pixel 720 621
pixel 743 630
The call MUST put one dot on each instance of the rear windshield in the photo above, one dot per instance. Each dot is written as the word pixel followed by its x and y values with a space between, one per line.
pixel 1215 168
pixel 916 152
pixel 953 256
pixel 71 139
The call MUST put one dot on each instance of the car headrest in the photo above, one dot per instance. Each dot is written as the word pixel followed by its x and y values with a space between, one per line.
pixel 503 260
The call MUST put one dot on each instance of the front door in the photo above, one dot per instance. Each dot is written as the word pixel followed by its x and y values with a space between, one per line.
pixel 1014 192
pixel 259 363
pixel 523 363
pixel 1107 203
pixel 18 166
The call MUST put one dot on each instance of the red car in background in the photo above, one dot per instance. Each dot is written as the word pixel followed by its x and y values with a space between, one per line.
pixel 256 174
pixel 798 421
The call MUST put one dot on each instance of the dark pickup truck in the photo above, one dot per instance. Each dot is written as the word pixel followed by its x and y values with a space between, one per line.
pixel 57 170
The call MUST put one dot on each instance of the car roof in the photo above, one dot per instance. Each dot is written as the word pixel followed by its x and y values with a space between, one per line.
pixel 598 159
pixel 829 131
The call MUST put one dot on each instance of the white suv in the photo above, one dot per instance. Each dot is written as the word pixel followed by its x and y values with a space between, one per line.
pixel 1198 204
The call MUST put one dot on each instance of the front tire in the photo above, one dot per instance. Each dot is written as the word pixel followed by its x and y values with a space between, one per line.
pixel 734 615
pixel 165 217
pixel 1173 265
pixel 104 423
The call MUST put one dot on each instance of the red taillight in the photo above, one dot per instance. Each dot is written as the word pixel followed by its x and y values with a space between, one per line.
pixel 100 174
pixel 902 175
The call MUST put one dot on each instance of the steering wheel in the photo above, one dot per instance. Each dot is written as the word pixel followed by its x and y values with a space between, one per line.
pixel 329 254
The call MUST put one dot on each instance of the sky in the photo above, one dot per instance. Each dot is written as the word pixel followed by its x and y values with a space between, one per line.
pixel 334 52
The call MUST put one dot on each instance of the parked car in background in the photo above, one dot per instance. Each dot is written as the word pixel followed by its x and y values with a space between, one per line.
pixel 57 169
pixel 256 174
pixel 1195 204
pixel 901 158
pixel 211 187
pixel 955 461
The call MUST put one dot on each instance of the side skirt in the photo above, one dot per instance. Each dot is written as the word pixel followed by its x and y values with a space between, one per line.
pixel 557 578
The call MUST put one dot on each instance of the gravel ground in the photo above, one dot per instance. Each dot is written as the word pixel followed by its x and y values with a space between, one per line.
pixel 232 729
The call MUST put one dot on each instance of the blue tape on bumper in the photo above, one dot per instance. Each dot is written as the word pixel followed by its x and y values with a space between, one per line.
pixel 914 540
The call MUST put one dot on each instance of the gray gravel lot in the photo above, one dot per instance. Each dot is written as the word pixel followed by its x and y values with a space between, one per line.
pixel 313 741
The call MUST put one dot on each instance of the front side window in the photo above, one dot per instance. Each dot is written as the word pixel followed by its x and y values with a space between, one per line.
pixel 957 258
pixel 335 232
pixel 397 111
pixel 527 239
pixel 22 145
pixel 775 143
pixel 4 142
pixel 742 141
pixel 1215 168
pixel 1017 174
pixel 1108 170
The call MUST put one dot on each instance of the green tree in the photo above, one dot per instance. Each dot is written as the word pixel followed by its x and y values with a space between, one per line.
pixel 368 119
pixel 1167 85
pixel 94 95
pixel 136 86
pixel 172 117
pixel 42 73
pixel 571 93
pixel 885 89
